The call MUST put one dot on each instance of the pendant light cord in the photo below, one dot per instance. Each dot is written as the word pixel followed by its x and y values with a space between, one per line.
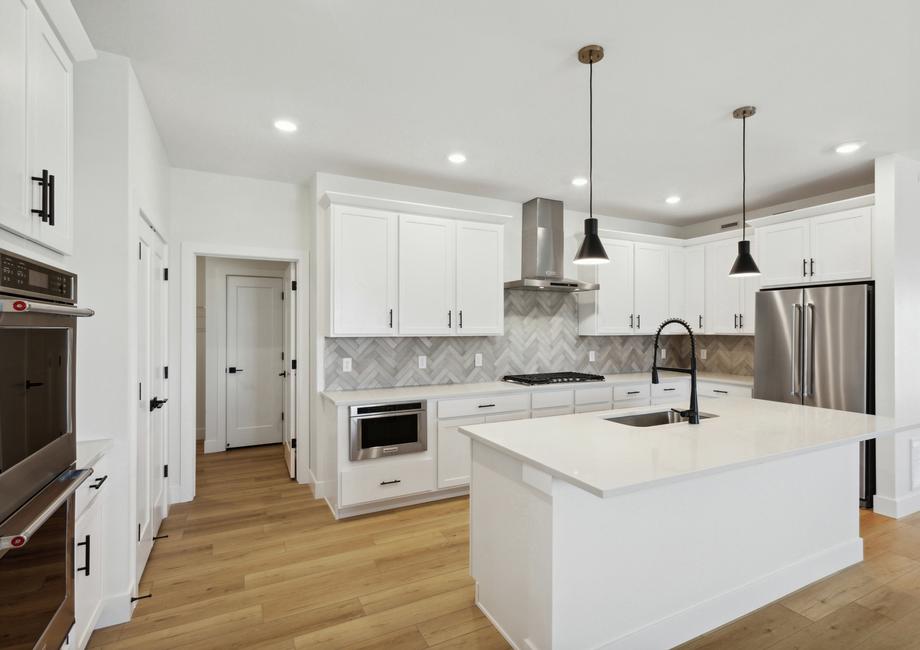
pixel 591 140
pixel 743 178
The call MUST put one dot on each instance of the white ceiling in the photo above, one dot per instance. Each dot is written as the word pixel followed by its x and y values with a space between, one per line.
pixel 385 90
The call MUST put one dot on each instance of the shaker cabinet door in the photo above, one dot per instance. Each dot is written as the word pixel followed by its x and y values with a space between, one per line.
pixel 480 275
pixel 427 276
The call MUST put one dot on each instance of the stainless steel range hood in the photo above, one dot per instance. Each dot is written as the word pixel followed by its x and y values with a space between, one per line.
pixel 542 250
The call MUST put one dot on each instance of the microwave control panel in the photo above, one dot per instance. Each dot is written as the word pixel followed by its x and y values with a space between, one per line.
pixel 20 276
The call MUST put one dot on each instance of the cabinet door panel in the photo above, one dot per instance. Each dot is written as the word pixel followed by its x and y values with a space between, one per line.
pixel 14 182
pixel 454 451
pixel 364 272
pixel 723 293
pixel 749 289
pixel 677 274
pixel 50 128
pixel 841 246
pixel 783 253
pixel 651 286
pixel 426 276
pixel 695 287
pixel 480 273
pixel 615 296
pixel 87 558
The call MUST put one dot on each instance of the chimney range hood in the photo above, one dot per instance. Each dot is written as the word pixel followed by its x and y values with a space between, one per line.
pixel 541 250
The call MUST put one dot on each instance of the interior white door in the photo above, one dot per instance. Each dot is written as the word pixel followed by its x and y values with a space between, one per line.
pixel 254 347
pixel 723 293
pixel 841 246
pixel 695 287
pixel 783 253
pixel 14 184
pixel 151 483
pixel 50 130
pixel 288 372
pixel 364 271
pixel 615 313
pixel 651 286
pixel 427 276
pixel 480 286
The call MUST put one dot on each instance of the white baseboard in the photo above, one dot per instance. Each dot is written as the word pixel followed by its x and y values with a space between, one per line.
pixel 199 433
pixel 116 609
pixel 488 615
pixel 899 507
pixel 213 446
pixel 367 508
pixel 726 607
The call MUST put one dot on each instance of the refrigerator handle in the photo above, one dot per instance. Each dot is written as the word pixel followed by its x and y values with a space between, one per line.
pixel 794 350
pixel 808 338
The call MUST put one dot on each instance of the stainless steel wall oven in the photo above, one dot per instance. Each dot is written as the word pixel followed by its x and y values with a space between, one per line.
pixel 38 320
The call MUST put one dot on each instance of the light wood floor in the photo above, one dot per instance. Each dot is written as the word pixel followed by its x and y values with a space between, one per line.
pixel 256 562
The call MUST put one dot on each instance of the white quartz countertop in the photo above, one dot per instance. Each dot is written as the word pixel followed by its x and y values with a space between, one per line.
pixel 381 395
pixel 606 458
pixel 90 451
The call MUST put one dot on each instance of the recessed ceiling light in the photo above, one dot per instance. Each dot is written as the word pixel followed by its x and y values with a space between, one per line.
pixel 672 199
pixel 457 158
pixel 849 147
pixel 579 181
pixel 285 125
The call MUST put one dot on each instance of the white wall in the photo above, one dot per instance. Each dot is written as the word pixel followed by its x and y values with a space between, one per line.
pixel 228 216
pixel 113 134
pixel 896 269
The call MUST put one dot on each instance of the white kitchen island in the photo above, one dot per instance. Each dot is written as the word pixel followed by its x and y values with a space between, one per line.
pixel 591 534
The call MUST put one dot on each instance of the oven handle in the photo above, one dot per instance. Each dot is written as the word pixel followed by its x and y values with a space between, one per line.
pixel 373 416
pixel 19 528
pixel 23 306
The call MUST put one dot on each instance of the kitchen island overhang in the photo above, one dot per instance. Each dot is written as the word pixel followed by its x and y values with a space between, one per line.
pixel 589 534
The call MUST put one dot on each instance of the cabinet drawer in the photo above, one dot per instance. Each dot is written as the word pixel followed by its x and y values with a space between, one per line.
pixel 92 487
pixel 596 406
pixel 629 392
pixel 508 417
pixel 710 389
pixel 594 395
pixel 544 399
pixel 552 411
pixel 671 389
pixel 387 480
pixel 453 408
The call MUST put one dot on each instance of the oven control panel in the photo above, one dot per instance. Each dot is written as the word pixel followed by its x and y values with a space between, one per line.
pixel 20 276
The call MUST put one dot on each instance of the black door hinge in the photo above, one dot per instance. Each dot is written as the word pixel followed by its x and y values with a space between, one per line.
pixel 293 364
pixel 282 295
pixel 165 372
pixel 139 390
pixel 138 532
pixel 293 285
pixel 293 443
pixel 165 274
pixel 165 471
pixel 139 256
pixel 282 416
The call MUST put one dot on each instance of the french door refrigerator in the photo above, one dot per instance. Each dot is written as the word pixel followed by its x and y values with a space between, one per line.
pixel 815 346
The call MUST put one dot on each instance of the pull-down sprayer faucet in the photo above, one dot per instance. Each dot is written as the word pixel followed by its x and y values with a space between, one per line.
pixel 693 413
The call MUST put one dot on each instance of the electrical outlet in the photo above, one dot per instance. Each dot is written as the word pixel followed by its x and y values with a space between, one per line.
pixel 592 355
pixel 346 364
pixel 422 362
pixel 915 464
pixel 703 354
pixel 477 360
pixel 664 353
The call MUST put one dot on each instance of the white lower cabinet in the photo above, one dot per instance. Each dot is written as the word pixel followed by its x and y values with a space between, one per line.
pixel 89 553
pixel 454 451
pixel 715 389
pixel 386 479
pixel 629 395
pixel 670 391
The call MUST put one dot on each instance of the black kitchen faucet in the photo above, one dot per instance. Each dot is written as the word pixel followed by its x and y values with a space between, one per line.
pixel 693 413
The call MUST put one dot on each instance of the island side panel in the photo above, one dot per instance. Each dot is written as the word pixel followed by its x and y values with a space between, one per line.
pixel 659 566
pixel 510 548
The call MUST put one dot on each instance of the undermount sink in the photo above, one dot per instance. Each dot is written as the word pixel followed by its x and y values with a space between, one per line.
pixel 654 419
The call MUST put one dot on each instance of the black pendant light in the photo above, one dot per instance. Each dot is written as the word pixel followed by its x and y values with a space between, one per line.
pixel 591 250
pixel 744 266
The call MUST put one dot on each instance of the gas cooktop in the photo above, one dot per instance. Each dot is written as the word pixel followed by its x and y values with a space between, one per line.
pixel 552 378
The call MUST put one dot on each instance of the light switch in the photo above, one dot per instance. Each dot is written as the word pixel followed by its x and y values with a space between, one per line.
pixel 422 361
pixel 477 360
pixel 592 355
pixel 346 364
pixel 703 354
pixel 664 353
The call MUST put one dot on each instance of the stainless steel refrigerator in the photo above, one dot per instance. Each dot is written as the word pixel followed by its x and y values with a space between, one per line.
pixel 815 346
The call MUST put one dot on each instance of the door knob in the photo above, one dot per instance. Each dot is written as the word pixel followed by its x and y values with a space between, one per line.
pixel 157 403
pixel 283 373
pixel 233 370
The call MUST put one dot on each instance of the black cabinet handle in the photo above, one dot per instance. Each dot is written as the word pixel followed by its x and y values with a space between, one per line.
pixel 701 321
pixel 85 544
pixel 723 392
pixel 804 268
pixel 448 319
pixel 632 392
pixel 51 200
pixel 233 370
pixel 393 482
pixel 98 483
pixel 486 406
pixel 740 321
pixel 812 266
pixel 391 318
pixel 736 321
pixel 43 182
pixel 631 321
pixel 460 318
pixel 639 322
pixel 156 403
pixel 33 384
pixel 667 390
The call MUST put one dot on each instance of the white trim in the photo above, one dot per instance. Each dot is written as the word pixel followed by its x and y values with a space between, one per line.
pixel 66 23
pixel 505 635
pixel 116 609
pixel 897 507
pixel 867 200
pixel 394 205
pixel 183 435
pixel 391 504
pixel 625 235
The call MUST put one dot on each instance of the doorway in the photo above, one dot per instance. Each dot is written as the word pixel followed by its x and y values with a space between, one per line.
pixel 248 311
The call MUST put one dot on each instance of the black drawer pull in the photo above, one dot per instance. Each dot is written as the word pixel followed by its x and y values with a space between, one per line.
pixel 85 545
pixel 669 389
pixel 393 482
pixel 633 392
pixel 51 200
pixel 98 483
pixel 723 392
pixel 486 406
pixel 44 182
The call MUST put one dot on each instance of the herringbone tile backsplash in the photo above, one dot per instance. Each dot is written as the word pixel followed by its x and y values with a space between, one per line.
pixel 540 336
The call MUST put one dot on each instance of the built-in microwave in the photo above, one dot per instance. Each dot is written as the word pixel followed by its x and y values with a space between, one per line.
pixel 379 430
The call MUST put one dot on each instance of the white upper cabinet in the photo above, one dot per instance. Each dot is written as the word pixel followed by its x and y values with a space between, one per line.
pixel 677 295
pixel 609 310
pixel 652 278
pixel 729 301
pixel 694 285
pixel 427 276
pixel 480 275
pixel 841 246
pixel 828 248
pixel 36 128
pixel 364 272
